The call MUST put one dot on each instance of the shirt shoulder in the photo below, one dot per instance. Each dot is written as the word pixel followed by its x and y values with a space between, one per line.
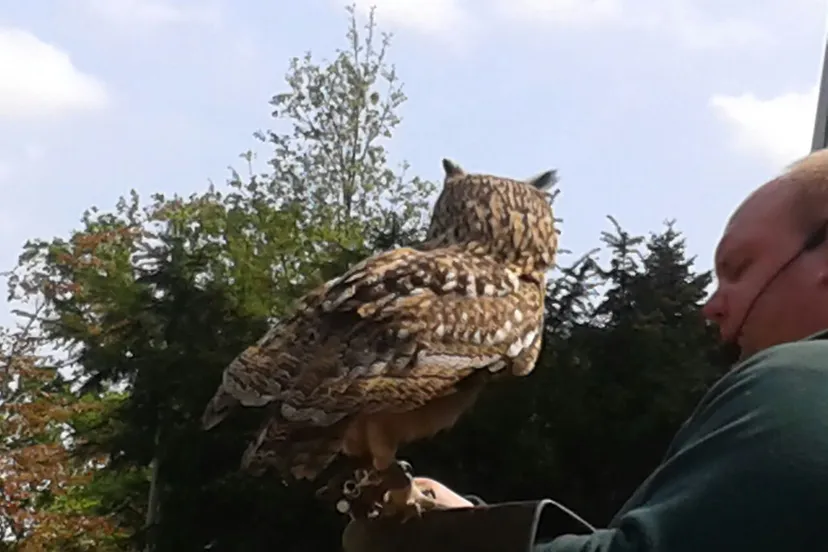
pixel 746 472
pixel 783 383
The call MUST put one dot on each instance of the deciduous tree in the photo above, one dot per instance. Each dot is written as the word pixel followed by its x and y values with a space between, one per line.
pixel 43 503
pixel 158 297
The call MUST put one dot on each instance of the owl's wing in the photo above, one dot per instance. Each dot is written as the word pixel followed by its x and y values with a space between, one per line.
pixel 394 332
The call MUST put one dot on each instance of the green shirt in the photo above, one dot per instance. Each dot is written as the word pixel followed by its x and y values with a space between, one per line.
pixel 748 471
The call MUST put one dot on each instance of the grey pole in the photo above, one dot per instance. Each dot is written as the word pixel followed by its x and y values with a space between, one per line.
pixel 820 140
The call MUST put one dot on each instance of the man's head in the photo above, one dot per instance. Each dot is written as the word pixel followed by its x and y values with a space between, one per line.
pixel 770 290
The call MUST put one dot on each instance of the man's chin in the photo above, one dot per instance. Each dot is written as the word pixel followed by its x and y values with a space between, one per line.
pixel 746 351
pixel 732 352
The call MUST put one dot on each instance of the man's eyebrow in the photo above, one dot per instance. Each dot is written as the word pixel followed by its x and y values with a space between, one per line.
pixel 741 254
pixel 728 251
pixel 723 251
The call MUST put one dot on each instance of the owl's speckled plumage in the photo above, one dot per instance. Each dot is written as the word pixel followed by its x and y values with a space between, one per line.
pixel 398 347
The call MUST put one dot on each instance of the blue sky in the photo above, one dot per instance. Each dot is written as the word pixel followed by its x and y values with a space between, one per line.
pixel 649 109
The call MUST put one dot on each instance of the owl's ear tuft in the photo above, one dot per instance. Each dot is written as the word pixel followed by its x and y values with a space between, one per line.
pixel 452 169
pixel 544 181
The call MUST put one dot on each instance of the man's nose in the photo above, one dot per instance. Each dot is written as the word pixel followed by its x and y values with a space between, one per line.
pixel 715 309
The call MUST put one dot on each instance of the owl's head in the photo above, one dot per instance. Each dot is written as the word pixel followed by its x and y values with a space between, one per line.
pixel 508 219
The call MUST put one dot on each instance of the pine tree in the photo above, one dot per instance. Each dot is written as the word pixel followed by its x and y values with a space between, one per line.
pixel 626 356
pixel 158 298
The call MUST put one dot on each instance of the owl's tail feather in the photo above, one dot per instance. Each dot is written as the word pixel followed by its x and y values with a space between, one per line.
pixel 292 454
pixel 218 408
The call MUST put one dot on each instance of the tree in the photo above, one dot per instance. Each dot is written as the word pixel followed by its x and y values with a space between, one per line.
pixel 157 298
pixel 647 369
pixel 329 165
pixel 43 503
pixel 626 356
pixel 150 301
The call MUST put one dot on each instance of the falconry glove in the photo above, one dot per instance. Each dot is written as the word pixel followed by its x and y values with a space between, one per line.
pixel 504 527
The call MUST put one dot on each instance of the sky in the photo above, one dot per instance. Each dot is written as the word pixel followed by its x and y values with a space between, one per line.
pixel 648 109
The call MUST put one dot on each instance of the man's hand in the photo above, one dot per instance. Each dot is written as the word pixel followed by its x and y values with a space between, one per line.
pixel 444 496
pixel 382 535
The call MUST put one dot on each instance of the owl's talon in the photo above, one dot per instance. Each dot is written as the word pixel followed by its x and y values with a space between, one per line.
pixel 368 478
pixel 405 467
pixel 408 503
pixel 398 475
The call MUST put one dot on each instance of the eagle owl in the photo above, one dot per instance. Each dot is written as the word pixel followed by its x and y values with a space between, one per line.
pixel 399 346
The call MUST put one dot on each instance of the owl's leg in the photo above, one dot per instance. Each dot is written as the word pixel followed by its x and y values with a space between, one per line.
pixel 403 497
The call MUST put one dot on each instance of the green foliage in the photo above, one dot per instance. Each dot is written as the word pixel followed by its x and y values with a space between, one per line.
pixel 158 298
pixel 626 357
pixel 44 473
pixel 330 164
pixel 150 301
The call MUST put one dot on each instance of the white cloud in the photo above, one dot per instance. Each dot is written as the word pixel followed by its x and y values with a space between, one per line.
pixel 37 80
pixel 568 12
pixel 693 29
pixel 435 17
pixel 154 12
pixel 778 129
pixel 679 20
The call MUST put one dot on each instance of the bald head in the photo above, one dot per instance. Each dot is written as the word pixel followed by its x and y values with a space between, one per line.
pixel 801 191
pixel 771 288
